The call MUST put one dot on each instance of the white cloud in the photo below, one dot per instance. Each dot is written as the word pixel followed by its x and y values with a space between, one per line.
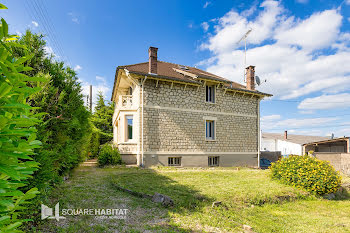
pixel 271 117
pixel 318 25
pixel 205 26
pixel 326 102
pixel 295 124
pixel 286 50
pixel 347 2
pixel 35 23
pixel 78 67
pixel 49 51
pixel 74 17
pixel 206 4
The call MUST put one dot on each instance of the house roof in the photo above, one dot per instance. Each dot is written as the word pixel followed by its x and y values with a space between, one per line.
pixel 328 140
pixel 294 138
pixel 167 70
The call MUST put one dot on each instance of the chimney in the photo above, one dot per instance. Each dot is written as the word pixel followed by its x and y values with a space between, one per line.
pixel 286 135
pixel 250 78
pixel 152 60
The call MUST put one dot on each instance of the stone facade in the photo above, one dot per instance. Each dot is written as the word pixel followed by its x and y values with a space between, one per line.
pixel 174 125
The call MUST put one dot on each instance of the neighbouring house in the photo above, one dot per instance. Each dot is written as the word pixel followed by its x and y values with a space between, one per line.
pixel 337 145
pixel 334 150
pixel 175 115
pixel 287 143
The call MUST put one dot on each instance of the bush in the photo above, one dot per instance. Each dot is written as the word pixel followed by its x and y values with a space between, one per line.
pixel 309 173
pixel 17 132
pixel 109 155
pixel 94 144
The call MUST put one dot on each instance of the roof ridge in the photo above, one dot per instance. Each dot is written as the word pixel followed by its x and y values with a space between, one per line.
pixel 133 64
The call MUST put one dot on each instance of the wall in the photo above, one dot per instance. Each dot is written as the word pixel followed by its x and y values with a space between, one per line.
pixel 268 144
pixel 284 147
pixel 340 161
pixel 174 122
pixel 273 156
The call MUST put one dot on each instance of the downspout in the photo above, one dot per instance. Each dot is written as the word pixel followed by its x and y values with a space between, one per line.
pixel 142 83
pixel 259 134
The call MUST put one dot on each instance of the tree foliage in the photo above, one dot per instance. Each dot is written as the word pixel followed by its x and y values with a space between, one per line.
pixel 102 119
pixel 17 130
pixel 65 131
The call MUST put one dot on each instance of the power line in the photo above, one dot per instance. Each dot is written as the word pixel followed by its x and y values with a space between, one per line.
pixel 39 13
pixel 56 37
pixel 315 127
pixel 299 101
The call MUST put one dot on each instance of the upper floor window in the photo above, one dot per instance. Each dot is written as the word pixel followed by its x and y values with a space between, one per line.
pixel 129 127
pixel 210 130
pixel 210 94
pixel 130 91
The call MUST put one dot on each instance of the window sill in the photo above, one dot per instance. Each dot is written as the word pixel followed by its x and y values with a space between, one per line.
pixel 210 140
pixel 127 143
pixel 210 103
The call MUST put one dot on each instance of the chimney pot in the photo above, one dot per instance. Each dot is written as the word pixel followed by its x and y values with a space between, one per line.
pixel 250 78
pixel 152 60
pixel 286 135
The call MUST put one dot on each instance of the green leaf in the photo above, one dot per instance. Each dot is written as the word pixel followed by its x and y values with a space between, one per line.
pixel 4 89
pixel 2 7
pixel 5 27
pixel 9 171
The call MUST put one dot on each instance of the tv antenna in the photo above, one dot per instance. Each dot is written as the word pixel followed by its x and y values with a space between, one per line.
pixel 244 37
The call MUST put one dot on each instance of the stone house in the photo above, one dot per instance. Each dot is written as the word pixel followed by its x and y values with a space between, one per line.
pixel 174 115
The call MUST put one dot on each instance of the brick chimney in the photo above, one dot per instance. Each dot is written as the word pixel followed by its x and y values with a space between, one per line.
pixel 286 135
pixel 250 78
pixel 152 60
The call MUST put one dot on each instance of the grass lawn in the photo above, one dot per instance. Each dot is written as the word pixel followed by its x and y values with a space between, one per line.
pixel 248 197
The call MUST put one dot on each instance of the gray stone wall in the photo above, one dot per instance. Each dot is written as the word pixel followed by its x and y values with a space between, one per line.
pixel 192 98
pixel 340 161
pixel 169 129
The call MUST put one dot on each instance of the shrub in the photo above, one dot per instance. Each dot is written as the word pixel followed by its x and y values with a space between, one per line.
pixel 17 132
pixel 309 173
pixel 94 144
pixel 109 155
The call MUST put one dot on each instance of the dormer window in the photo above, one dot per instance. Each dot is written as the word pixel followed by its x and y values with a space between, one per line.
pixel 210 94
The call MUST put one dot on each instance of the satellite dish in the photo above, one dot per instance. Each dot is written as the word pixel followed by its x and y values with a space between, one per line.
pixel 257 80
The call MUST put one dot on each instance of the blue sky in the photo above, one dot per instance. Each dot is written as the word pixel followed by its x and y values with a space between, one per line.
pixel 301 48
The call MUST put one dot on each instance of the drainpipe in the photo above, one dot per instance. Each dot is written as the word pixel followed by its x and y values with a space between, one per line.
pixel 142 83
pixel 259 134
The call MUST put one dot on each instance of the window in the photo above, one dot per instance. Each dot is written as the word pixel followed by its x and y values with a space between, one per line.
pixel 210 94
pixel 174 161
pixel 130 91
pixel 210 129
pixel 213 161
pixel 129 127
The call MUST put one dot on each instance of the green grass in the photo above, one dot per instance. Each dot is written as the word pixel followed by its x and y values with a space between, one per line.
pixel 248 197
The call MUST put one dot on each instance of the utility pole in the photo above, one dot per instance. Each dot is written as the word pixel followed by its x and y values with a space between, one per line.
pixel 90 98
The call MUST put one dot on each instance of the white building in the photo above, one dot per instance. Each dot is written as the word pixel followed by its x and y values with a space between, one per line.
pixel 286 143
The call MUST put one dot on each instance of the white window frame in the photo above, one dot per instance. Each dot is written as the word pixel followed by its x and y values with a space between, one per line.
pixel 214 120
pixel 213 95
pixel 126 128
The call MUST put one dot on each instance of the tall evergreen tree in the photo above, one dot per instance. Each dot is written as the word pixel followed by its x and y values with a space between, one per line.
pixel 102 118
